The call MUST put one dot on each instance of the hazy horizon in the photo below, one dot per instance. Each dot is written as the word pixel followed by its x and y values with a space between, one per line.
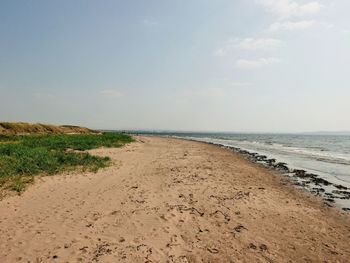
pixel 346 133
pixel 199 65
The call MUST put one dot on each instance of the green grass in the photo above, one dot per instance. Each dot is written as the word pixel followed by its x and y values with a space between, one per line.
pixel 22 157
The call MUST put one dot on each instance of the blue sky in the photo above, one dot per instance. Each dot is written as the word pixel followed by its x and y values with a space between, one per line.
pixel 224 65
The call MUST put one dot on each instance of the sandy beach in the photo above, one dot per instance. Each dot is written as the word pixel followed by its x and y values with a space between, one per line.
pixel 171 200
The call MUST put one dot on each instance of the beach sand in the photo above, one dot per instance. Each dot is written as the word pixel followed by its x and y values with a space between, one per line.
pixel 171 200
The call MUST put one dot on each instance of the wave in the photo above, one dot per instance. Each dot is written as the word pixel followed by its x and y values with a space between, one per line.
pixel 317 153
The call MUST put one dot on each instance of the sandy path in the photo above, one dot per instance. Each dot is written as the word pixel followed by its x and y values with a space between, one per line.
pixel 167 200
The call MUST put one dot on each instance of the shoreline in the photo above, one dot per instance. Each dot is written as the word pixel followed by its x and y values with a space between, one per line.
pixel 176 200
pixel 331 193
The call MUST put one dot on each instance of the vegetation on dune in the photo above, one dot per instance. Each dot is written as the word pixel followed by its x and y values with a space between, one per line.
pixel 16 128
pixel 22 157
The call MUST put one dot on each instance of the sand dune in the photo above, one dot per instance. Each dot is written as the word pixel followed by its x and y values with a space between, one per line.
pixel 24 128
pixel 169 200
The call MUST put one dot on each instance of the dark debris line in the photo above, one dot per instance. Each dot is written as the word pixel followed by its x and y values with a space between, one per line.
pixel 301 178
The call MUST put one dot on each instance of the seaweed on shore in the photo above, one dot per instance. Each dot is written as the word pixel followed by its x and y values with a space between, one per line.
pixel 312 182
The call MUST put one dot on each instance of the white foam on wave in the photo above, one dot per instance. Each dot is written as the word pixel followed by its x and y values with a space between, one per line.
pixel 319 155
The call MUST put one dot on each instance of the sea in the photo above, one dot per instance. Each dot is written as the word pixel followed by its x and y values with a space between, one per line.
pixel 327 156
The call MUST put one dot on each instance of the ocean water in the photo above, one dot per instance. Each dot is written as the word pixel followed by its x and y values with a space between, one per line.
pixel 325 155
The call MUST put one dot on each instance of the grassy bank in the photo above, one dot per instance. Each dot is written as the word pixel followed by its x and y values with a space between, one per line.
pixel 22 157
pixel 20 128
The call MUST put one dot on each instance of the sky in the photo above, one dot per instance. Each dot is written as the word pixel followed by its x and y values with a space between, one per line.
pixel 186 65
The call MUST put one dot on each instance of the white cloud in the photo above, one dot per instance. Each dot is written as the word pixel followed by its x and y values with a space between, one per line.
pixel 44 96
pixel 240 84
pixel 289 8
pixel 220 52
pixel 203 93
pixel 344 32
pixel 327 25
pixel 111 94
pixel 267 44
pixel 259 44
pixel 256 63
pixel 149 21
pixel 291 26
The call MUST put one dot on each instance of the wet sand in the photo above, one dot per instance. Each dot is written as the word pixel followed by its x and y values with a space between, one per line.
pixel 171 200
